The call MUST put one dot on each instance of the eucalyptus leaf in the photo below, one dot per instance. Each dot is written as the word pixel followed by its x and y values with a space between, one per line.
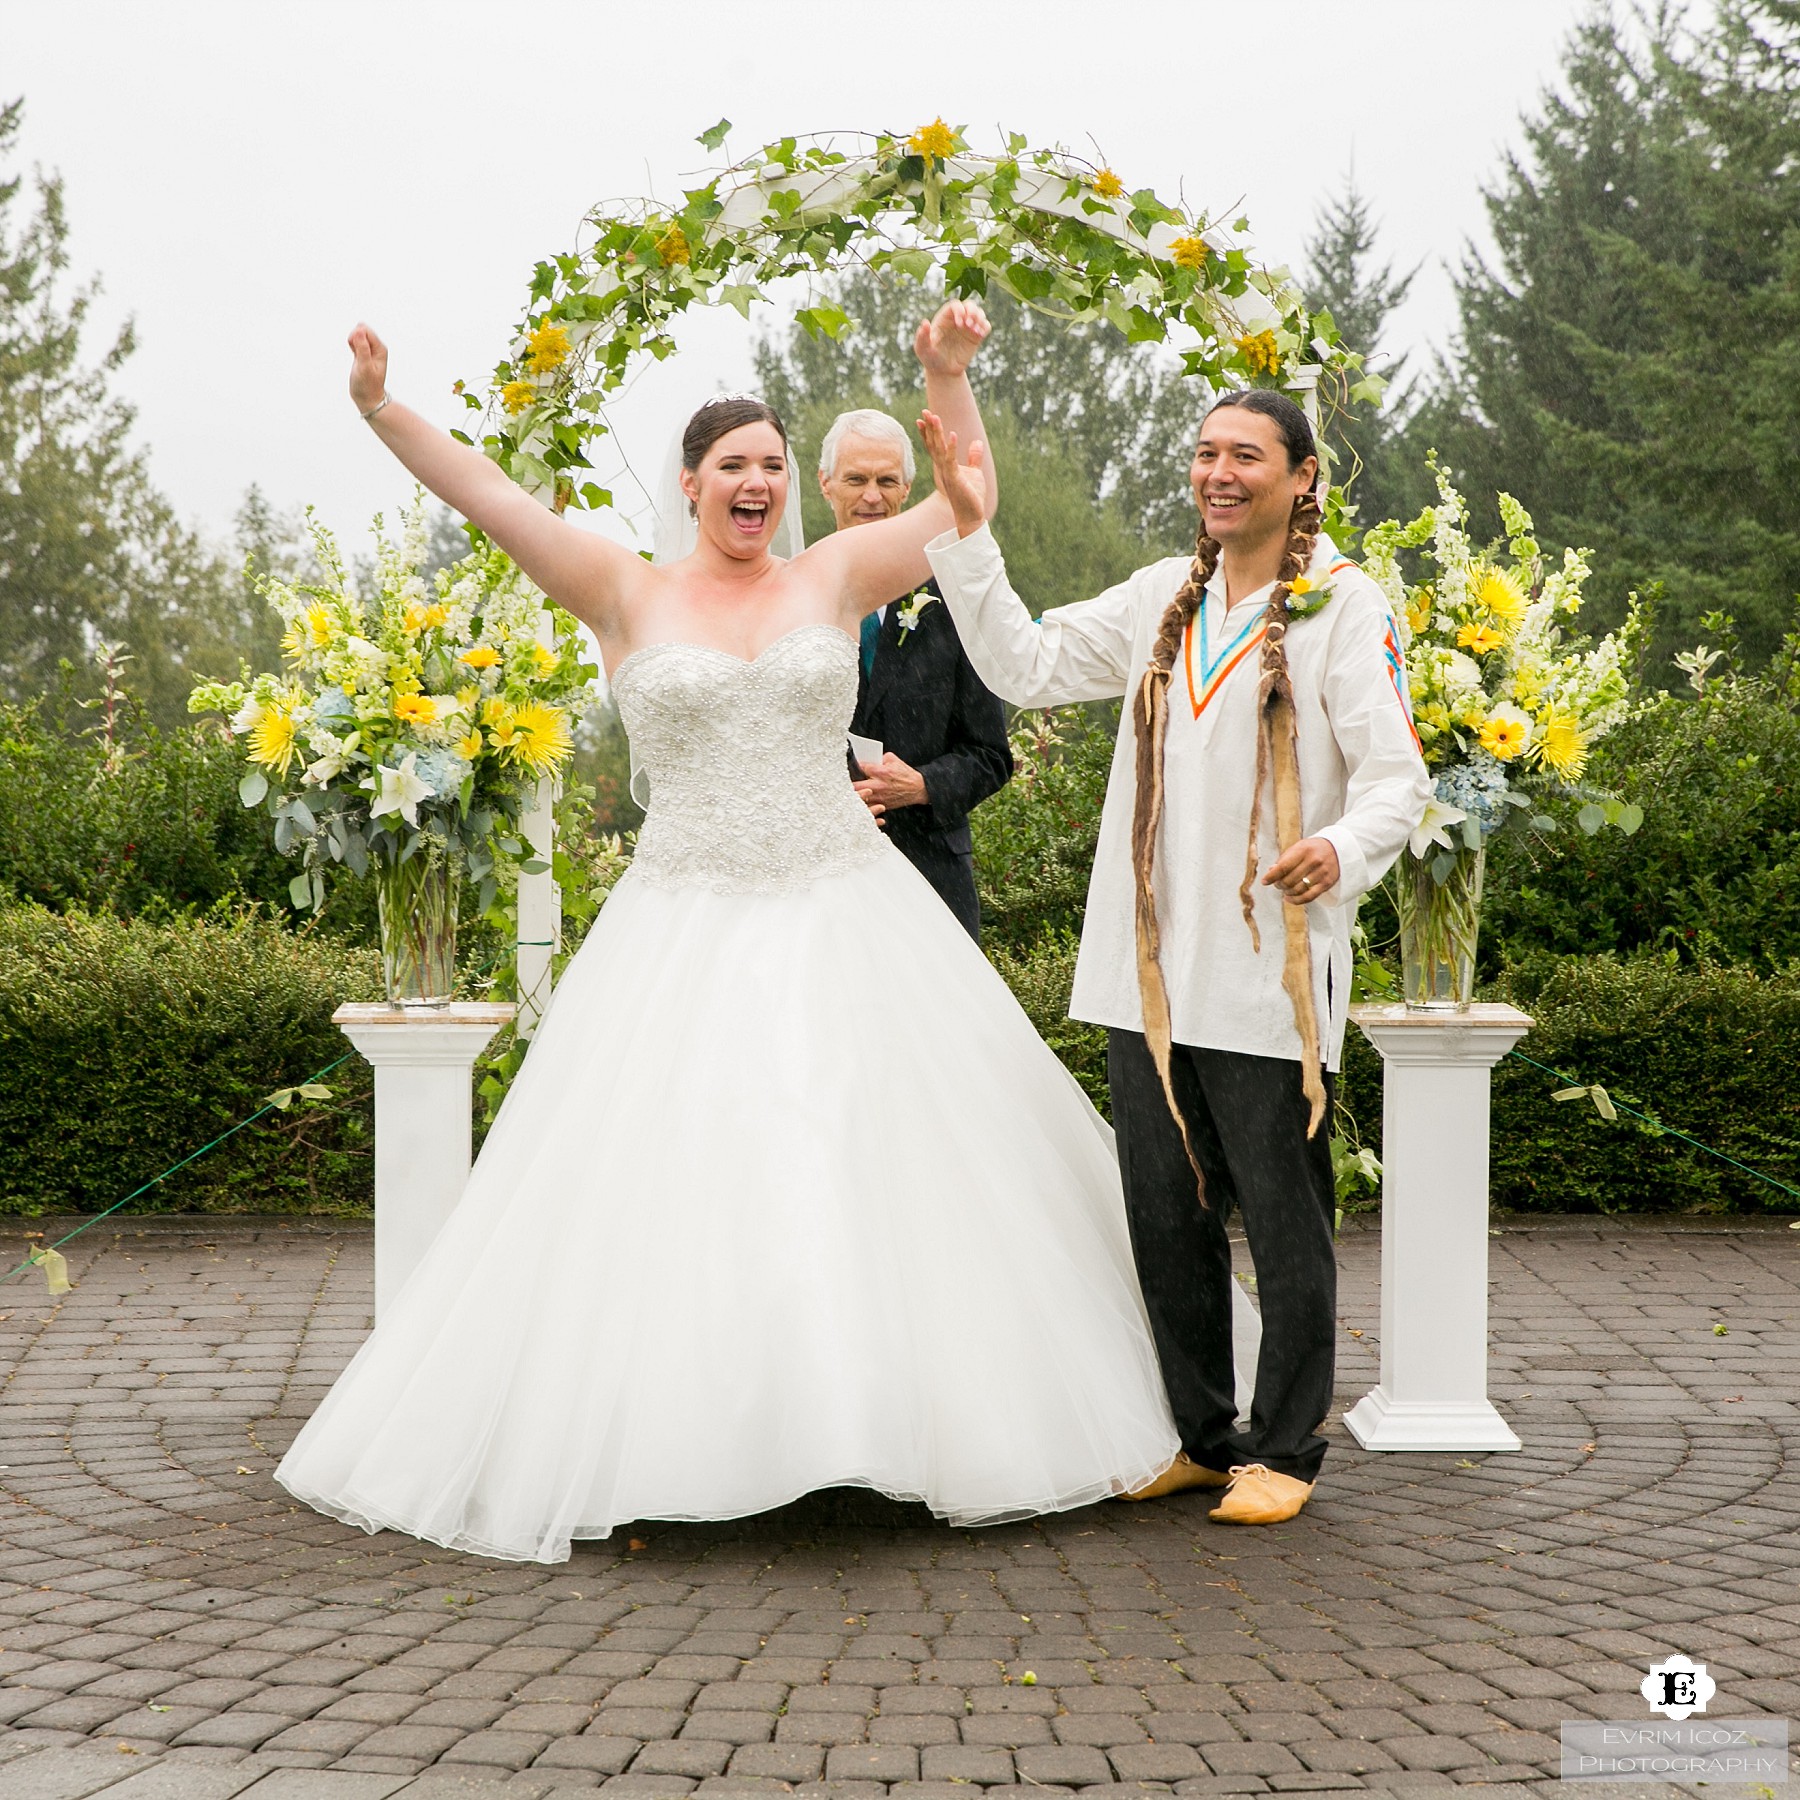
pixel 252 788
pixel 1630 817
pixel 1591 818
pixel 300 891
pixel 302 815
pixel 356 853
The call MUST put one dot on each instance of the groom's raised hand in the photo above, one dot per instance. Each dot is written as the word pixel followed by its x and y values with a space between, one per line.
pixel 964 485
pixel 946 344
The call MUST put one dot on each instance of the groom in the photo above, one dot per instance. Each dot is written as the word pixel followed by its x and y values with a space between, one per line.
pixel 943 733
pixel 1263 689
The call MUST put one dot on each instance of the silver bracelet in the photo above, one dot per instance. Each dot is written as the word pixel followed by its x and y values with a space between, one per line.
pixel 369 416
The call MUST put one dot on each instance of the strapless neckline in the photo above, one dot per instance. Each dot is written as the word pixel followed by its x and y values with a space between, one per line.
pixel 745 662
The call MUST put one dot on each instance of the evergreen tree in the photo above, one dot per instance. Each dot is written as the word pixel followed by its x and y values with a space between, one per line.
pixel 1631 368
pixel 89 551
pixel 1370 452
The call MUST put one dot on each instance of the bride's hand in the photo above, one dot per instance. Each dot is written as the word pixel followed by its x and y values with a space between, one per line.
pixel 368 373
pixel 964 485
pixel 947 344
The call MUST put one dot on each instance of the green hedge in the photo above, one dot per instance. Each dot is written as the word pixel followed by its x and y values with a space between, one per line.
pixel 1708 1050
pixel 127 1045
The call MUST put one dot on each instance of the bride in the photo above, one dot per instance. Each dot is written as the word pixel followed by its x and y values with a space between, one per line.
pixel 789 1194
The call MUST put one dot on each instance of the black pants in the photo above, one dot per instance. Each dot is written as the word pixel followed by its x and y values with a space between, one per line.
pixel 951 872
pixel 1247 1118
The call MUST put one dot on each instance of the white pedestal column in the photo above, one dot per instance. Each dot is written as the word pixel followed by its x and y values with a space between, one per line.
pixel 422 1060
pixel 1434 1229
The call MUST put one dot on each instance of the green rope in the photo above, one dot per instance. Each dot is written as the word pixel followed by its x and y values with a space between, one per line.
pixel 1668 1130
pixel 267 1106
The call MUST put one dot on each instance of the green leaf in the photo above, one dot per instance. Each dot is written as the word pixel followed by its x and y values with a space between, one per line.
pixel 313 1090
pixel 1591 818
pixel 252 788
pixel 823 321
pixel 1629 818
pixel 714 135
pixel 300 891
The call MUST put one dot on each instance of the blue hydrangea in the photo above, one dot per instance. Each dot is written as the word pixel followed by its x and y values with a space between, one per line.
pixel 442 771
pixel 1478 786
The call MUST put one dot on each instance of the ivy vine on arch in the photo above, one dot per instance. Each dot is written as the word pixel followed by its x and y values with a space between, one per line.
pixel 1060 234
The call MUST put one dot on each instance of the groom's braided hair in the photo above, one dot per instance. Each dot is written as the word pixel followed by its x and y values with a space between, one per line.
pixel 1275 745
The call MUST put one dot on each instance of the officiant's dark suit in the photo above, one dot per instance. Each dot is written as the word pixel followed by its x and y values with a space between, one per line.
pixel 943 735
pixel 920 698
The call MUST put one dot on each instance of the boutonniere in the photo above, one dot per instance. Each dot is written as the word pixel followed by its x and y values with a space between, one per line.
pixel 1307 594
pixel 910 608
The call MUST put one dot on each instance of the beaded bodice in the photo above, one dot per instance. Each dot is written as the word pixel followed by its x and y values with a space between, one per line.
pixel 748 787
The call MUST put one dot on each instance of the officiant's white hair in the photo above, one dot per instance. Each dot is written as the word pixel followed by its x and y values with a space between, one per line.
pixel 866 422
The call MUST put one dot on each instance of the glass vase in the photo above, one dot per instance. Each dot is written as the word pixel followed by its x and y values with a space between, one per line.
pixel 418 901
pixel 1439 902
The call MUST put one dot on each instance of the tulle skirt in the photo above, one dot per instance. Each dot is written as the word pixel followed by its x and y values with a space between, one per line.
pixel 788 1195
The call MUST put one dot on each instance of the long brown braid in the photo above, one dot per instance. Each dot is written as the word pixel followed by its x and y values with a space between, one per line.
pixel 1277 747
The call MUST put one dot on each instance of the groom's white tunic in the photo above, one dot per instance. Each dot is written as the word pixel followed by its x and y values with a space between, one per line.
pixel 1363 783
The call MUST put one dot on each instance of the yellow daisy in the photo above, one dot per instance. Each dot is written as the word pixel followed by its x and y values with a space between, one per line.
pixel 482 656
pixel 539 738
pixel 543 660
pixel 1503 738
pixel 1562 747
pixel 272 739
pixel 415 709
pixel 1479 638
pixel 1498 593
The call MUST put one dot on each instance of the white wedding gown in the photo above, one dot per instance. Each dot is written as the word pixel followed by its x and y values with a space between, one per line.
pixel 788 1195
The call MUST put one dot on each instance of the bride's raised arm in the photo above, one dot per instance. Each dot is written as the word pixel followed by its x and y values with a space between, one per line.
pixel 587 574
pixel 876 563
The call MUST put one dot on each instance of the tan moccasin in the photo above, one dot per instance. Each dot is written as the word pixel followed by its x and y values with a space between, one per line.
pixel 1260 1496
pixel 1181 1474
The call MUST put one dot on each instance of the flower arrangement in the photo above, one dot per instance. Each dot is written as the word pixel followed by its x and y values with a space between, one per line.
pixel 1506 709
pixel 1062 234
pixel 406 728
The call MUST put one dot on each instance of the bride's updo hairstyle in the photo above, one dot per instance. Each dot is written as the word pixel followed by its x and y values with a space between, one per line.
pixel 1276 745
pixel 716 417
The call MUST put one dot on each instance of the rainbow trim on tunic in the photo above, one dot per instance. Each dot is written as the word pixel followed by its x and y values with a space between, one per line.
pixel 1213 674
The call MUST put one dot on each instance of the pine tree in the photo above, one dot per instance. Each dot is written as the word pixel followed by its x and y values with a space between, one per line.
pixel 1369 450
pixel 1630 369
pixel 90 552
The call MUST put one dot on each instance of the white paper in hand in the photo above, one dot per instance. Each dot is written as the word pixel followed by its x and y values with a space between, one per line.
pixel 867 751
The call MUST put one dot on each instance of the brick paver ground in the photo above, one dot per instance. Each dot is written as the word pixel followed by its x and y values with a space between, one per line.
pixel 173 1627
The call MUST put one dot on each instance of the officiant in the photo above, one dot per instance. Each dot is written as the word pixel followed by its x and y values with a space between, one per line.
pixel 943 734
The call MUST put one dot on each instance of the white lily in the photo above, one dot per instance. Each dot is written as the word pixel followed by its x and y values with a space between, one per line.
pixel 401 790
pixel 1434 827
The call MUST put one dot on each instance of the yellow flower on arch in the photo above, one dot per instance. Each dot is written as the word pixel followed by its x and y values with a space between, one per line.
pixel 1188 253
pixel 1260 352
pixel 547 349
pixel 516 396
pixel 1107 185
pixel 935 139
pixel 673 246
